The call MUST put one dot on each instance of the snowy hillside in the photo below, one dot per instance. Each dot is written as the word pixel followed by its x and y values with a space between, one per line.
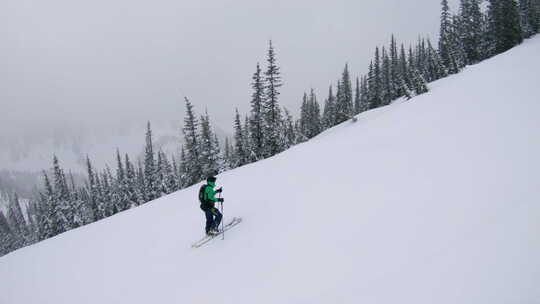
pixel 430 201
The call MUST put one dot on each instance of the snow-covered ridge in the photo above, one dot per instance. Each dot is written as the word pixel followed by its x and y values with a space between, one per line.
pixel 429 201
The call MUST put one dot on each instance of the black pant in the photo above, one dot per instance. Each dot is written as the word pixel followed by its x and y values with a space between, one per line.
pixel 213 217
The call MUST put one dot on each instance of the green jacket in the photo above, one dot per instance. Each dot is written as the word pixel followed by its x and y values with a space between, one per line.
pixel 209 193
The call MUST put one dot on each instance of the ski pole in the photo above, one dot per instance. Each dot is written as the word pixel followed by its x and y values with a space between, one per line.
pixel 222 221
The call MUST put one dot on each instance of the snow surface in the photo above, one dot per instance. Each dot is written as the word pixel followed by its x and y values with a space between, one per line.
pixel 430 201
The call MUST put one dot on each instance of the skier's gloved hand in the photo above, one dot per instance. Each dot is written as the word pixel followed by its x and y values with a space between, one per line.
pixel 219 190
pixel 221 200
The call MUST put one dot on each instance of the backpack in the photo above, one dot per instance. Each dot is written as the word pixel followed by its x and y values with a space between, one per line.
pixel 202 195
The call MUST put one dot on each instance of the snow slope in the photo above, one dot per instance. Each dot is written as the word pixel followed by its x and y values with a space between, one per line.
pixel 429 201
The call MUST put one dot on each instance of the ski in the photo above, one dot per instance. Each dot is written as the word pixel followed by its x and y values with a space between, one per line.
pixel 235 221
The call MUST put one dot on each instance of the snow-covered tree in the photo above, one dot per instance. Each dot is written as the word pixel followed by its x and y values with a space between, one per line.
pixel 192 163
pixel 256 119
pixel 209 149
pixel 344 98
pixel 273 122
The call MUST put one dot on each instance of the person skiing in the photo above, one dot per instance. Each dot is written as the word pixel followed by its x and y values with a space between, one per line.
pixel 207 197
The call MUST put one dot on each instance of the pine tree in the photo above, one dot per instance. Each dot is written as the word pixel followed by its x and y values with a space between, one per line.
pixel 7 241
pixel 404 68
pixel 150 168
pixel 168 180
pixel 141 185
pixel 419 83
pixel 17 222
pixel 386 79
pixel 93 195
pixel 364 95
pixel 290 131
pixel 357 98
pixel 395 71
pixel 227 156
pixel 257 115
pixel 192 164
pixel 534 15
pixel 240 156
pixel 272 112
pixel 15 215
pixel 315 114
pixel 122 192
pixel 525 7
pixel 63 212
pixel 106 193
pixel 248 144
pixel 160 174
pixel 182 169
pixel 504 25
pixel 344 102
pixel 80 214
pixel 435 65
pixel 208 149
pixel 304 114
pixel 329 110
pixel 46 221
pixel 445 33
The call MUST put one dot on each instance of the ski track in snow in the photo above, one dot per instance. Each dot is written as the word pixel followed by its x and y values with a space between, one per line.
pixel 429 201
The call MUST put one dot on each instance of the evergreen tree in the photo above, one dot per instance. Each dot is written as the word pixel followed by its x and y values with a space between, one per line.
pixel 151 177
pixel 7 241
pixel 228 155
pixel 315 114
pixel 471 29
pixel 435 66
pixel 387 89
pixel 46 221
pixel 16 222
pixel 168 179
pixel 329 111
pixel 419 83
pixel 92 191
pixel 257 115
pixel 15 215
pixel 209 149
pixel 529 15
pixel 357 98
pixel 504 25
pixel 290 131
pixel 310 124
pixel 364 95
pixel 404 69
pixel 122 191
pixel 344 102
pixel 304 119
pixel 141 186
pixel 192 163
pixel 445 33
pixel 62 209
pixel 240 157
pixel 534 16
pixel 272 111
pixel 182 169
pixel 106 193
pixel 395 68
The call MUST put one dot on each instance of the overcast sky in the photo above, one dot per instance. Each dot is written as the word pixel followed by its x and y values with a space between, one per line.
pixel 94 63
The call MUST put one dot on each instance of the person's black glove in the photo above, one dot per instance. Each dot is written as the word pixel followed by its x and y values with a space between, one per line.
pixel 220 200
pixel 219 190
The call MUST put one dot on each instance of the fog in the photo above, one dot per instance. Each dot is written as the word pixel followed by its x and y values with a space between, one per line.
pixel 67 65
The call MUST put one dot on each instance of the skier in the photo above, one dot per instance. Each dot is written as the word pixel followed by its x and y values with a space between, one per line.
pixel 207 198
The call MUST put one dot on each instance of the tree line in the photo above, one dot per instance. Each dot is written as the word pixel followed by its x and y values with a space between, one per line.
pixel 467 37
